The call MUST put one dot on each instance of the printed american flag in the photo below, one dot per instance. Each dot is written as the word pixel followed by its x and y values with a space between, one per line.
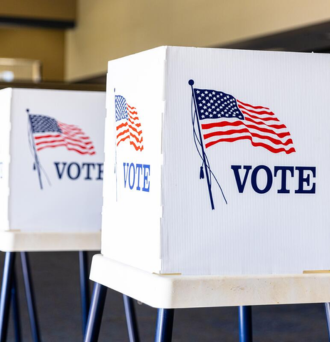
pixel 50 133
pixel 224 118
pixel 128 126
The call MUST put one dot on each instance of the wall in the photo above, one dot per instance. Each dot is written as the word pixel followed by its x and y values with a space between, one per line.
pixel 39 9
pixel 110 29
pixel 46 45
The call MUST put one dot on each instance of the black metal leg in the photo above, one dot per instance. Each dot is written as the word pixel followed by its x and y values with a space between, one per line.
pixel 133 331
pixel 5 294
pixel 15 308
pixel 164 325
pixel 95 313
pixel 327 313
pixel 84 287
pixel 30 297
pixel 245 323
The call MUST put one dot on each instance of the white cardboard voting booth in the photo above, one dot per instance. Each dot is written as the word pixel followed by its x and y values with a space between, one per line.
pixel 51 169
pixel 217 162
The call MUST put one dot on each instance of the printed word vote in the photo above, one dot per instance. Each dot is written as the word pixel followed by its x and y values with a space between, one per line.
pixel 305 178
pixel 86 171
pixel 137 174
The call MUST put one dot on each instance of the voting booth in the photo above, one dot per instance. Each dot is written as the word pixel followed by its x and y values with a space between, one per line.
pixel 51 173
pixel 217 185
pixel 51 160
pixel 233 175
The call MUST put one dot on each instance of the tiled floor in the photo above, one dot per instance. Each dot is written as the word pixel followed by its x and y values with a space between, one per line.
pixel 56 282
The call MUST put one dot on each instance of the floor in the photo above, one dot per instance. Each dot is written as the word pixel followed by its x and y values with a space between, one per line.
pixel 56 283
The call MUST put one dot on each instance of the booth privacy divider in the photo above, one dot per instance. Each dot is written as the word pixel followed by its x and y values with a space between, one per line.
pixel 217 185
pixel 51 172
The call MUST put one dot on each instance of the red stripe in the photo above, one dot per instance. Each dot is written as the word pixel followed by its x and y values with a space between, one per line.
pixel 127 137
pixel 136 138
pixel 121 125
pixel 67 129
pixel 256 107
pixel 122 133
pixel 49 142
pixel 256 112
pixel 66 143
pixel 134 118
pixel 260 117
pixel 263 123
pixel 239 123
pixel 47 136
pixel 81 146
pixel 256 144
pixel 77 136
pixel 79 140
pixel 68 148
pixel 135 130
pixel 137 148
pixel 255 135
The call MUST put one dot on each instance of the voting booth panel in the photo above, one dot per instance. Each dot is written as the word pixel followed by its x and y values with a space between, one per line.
pixel 217 162
pixel 51 159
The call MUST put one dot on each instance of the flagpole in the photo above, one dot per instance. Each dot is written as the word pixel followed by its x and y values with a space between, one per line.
pixel 191 83
pixel 36 159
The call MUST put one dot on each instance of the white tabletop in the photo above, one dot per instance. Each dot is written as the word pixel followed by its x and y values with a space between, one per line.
pixel 17 241
pixel 176 291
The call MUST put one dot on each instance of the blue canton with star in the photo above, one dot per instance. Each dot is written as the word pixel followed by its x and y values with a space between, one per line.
pixel 43 124
pixel 121 110
pixel 216 104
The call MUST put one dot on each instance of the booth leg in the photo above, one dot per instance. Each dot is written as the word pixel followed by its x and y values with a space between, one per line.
pixel 132 327
pixel 245 323
pixel 5 294
pixel 15 308
pixel 84 287
pixel 327 313
pixel 30 297
pixel 164 325
pixel 95 313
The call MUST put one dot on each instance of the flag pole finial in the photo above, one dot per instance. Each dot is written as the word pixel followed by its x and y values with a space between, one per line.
pixel 191 82
pixel 27 110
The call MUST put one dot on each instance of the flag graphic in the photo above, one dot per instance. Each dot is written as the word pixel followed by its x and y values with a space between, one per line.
pixel 128 126
pixel 50 133
pixel 223 118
